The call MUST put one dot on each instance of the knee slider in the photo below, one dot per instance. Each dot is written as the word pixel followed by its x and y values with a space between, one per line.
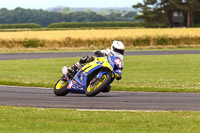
pixel 86 59
pixel 83 59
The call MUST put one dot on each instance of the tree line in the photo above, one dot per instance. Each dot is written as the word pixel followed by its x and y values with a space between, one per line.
pixel 155 13
pixel 44 18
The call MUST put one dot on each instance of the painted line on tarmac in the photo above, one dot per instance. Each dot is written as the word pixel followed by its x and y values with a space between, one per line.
pixel 110 110
pixel 9 86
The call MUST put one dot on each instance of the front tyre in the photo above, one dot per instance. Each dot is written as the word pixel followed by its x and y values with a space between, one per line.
pixel 60 88
pixel 100 84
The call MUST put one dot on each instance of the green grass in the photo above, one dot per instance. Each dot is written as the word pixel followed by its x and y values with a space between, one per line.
pixel 25 120
pixel 174 73
pixel 164 73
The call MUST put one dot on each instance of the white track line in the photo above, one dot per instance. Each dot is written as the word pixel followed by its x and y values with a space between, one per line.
pixel 26 87
pixel 110 110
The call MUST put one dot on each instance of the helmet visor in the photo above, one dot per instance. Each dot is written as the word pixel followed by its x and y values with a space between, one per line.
pixel 118 50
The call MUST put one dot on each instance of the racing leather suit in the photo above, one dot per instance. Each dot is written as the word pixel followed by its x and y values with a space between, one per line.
pixel 86 59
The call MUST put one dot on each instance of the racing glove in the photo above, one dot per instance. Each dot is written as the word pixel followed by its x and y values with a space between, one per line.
pixel 118 74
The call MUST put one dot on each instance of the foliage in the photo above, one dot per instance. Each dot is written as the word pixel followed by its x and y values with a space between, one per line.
pixel 92 24
pixel 32 43
pixel 15 26
pixel 155 13
pixel 20 15
pixel 65 10
pixel 44 18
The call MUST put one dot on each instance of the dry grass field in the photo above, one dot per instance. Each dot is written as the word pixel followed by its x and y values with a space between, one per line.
pixel 94 34
pixel 97 38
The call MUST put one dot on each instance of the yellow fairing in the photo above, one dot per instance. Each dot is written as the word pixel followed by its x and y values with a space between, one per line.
pixel 97 61
pixel 61 84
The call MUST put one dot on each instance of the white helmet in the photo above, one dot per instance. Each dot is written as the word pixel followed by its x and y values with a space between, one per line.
pixel 117 49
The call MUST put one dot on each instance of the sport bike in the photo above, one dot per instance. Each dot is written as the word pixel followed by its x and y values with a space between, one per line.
pixel 92 78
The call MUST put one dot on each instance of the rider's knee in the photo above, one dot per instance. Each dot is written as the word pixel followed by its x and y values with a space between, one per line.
pixel 86 59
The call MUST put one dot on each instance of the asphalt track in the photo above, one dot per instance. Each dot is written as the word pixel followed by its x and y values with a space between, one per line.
pixel 44 97
pixel 17 56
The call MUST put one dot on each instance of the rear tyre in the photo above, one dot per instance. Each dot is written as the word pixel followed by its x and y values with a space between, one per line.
pixel 97 87
pixel 60 88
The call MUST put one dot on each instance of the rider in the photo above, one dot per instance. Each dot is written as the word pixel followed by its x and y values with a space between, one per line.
pixel 117 49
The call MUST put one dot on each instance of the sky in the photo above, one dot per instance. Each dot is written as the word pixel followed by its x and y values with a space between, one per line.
pixel 44 4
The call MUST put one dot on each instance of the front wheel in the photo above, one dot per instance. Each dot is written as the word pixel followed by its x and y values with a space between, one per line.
pixel 96 87
pixel 60 88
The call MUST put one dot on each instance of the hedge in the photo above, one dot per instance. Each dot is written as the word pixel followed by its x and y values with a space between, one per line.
pixel 16 26
pixel 95 24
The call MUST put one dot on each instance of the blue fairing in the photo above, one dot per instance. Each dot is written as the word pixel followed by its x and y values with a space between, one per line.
pixel 111 61
pixel 79 83
pixel 93 69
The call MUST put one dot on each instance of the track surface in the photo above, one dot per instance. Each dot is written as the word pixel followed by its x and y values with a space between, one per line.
pixel 16 56
pixel 43 97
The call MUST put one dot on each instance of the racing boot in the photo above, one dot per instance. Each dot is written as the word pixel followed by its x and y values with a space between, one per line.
pixel 80 63
pixel 73 69
pixel 76 67
pixel 64 70
pixel 107 89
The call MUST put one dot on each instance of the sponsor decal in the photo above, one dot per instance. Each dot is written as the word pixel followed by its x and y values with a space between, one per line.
pixel 74 85
pixel 70 85
pixel 77 86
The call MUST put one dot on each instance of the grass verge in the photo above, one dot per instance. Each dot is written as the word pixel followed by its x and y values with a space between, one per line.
pixel 163 73
pixel 40 120
pixel 84 49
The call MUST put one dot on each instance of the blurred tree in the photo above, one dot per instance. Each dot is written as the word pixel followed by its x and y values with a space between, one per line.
pixel 155 12
pixel 151 13
pixel 104 12
pixel 44 18
pixel 192 6
pixel 66 10
pixel 130 14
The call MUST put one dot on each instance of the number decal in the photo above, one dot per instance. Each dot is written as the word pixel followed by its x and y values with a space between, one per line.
pixel 118 62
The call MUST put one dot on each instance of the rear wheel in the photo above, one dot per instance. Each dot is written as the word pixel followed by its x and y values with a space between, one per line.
pixel 96 87
pixel 60 88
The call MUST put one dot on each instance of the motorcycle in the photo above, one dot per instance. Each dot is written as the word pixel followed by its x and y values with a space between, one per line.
pixel 92 78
